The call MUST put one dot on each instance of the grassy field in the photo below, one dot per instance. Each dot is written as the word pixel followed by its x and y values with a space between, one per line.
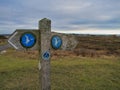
pixel 19 71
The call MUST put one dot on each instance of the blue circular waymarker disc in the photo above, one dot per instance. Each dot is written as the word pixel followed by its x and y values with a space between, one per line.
pixel 56 42
pixel 28 40
pixel 46 55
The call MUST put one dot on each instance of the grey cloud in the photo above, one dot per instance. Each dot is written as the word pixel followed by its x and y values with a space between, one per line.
pixel 65 14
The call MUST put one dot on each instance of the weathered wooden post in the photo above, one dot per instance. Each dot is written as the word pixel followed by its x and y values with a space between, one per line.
pixel 44 37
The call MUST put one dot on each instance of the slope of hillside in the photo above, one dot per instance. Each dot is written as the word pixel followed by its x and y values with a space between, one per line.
pixel 106 45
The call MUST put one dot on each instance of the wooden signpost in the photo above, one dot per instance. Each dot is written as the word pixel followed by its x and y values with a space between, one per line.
pixel 30 39
pixel 45 34
pixel 42 40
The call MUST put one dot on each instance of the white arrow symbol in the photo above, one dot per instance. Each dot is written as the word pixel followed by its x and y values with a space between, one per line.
pixel 9 40
pixel 27 39
pixel 56 41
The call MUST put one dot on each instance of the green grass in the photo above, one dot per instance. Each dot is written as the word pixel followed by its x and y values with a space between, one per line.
pixel 86 74
pixel 18 74
pixel 67 73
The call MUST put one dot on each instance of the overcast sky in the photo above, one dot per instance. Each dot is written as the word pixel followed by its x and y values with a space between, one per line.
pixel 75 16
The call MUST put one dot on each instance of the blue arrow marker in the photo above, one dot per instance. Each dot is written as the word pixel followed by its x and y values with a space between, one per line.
pixel 28 40
pixel 46 55
pixel 56 42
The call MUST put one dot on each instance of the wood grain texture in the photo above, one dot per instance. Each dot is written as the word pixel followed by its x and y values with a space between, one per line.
pixel 45 29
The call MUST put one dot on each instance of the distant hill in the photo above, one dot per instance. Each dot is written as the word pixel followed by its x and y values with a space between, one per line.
pixel 4 36
pixel 98 45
